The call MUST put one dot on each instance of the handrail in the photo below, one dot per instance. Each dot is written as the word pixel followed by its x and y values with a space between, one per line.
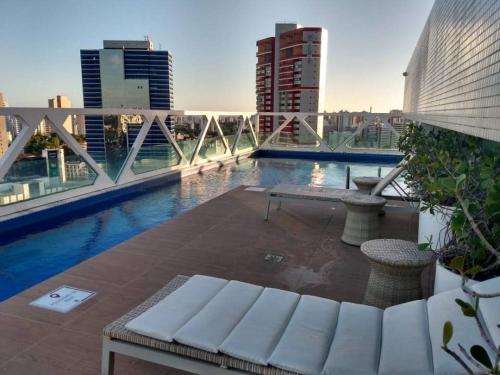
pixel 30 119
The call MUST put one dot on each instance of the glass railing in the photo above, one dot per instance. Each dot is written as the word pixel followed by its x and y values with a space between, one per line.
pixel 58 154
pixel 70 152
pixel 340 132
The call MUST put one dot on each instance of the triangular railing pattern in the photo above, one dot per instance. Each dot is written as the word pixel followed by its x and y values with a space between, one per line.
pixel 244 140
pixel 130 171
pixel 211 151
pixel 320 144
pixel 209 145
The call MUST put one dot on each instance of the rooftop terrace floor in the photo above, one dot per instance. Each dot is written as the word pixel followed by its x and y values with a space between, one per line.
pixel 225 237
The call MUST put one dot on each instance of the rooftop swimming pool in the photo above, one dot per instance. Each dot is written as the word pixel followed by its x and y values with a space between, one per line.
pixel 39 253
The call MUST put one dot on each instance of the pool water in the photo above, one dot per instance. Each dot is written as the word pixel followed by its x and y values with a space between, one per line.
pixel 36 256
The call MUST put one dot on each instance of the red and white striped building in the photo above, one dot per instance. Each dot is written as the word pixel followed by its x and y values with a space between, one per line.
pixel 291 75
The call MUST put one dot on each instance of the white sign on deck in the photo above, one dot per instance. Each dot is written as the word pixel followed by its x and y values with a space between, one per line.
pixel 256 189
pixel 63 299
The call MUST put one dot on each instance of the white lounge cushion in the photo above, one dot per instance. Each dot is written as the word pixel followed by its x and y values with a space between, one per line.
pixel 166 317
pixel 210 327
pixel 489 308
pixel 442 307
pixel 356 344
pixel 406 345
pixel 256 335
pixel 306 341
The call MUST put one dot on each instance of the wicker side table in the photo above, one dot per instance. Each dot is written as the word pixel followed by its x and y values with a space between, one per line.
pixel 362 221
pixel 366 184
pixel 396 269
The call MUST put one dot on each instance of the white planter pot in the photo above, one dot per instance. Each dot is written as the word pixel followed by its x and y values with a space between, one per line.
pixel 434 226
pixel 446 280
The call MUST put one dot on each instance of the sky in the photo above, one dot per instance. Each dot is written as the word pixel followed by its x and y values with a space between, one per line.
pixel 213 44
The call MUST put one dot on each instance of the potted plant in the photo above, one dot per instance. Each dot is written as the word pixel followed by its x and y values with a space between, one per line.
pixel 436 207
pixel 476 357
pixel 456 176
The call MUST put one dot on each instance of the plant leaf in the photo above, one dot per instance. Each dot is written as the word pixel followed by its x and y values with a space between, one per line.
pixel 473 270
pixel 447 333
pixel 460 181
pixel 479 354
pixel 467 308
pixel 457 263
pixel 423 246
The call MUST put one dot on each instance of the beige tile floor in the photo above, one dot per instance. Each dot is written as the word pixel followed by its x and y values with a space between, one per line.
pixel 225 237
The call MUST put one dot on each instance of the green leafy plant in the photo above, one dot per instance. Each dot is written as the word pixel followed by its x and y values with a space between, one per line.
pixel 477 355
pixel 452 169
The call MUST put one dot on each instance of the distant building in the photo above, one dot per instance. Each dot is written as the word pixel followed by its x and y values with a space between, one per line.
pixel 4 134
pixel 76 170
pixel 397 120
pixel 14 125
pixel 363 128
pixel 124 74
pixel 60 101
pixel 79 124
pixel 291 74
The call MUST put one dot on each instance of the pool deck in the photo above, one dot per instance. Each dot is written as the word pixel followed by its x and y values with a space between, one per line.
pixel 225 237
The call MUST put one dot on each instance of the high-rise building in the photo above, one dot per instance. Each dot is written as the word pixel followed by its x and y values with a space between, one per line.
pixel 13 123
pixel 124 74
pixel 291 75
pixel 4 135
pixel 60 101
pixel 79 124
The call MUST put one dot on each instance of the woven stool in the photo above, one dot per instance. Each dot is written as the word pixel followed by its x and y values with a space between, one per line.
pixel 366 184
pixel 396 269
pixel 362 221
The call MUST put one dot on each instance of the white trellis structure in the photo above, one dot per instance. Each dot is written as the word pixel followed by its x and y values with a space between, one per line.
pixel 31 118
pixel 322 145
pixel 247 122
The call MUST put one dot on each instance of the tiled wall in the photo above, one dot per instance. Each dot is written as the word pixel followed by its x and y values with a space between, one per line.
pixel 453 77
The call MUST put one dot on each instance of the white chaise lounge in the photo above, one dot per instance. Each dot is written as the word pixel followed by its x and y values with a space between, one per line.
pixel 206 325
pixel 286 192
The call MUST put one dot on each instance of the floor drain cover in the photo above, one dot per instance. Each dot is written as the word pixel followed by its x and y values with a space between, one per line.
pixel 273 258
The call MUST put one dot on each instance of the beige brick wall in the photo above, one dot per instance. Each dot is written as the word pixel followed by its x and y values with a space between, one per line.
pixel 453 77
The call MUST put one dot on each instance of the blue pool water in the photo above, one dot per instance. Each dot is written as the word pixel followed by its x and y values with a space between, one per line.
pixel 36 256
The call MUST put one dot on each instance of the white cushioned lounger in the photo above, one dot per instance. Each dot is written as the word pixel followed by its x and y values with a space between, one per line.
pixel 283 192
pixel 280 332
pixel 311 327
pixel 256 335
pixel 212 325
pixel 180 307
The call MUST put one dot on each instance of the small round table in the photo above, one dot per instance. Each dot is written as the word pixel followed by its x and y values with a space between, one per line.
pixel 396 269
pixel 366 184
pixel 362 221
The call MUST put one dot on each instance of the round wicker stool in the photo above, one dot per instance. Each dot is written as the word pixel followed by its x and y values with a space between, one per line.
pixel 396 268
pixel 366 184
pixel 362 221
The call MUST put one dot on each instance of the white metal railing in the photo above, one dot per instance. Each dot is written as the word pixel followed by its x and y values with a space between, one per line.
pixel 192 140
pixel 349 133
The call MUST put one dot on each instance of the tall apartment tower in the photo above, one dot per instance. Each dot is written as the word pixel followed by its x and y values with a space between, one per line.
pixel 124 74
pixel 291 74
pixel 4 135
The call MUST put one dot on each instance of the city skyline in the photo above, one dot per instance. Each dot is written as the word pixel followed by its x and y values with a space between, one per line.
pixel 214 68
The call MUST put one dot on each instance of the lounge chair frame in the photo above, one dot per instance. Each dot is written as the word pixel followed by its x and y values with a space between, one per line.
pixel 110 347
